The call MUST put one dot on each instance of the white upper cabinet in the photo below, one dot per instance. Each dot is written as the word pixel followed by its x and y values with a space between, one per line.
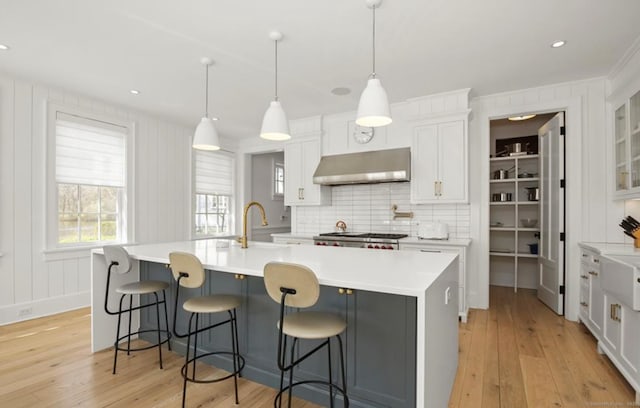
pixel 301 157
pixel 626 139
pixel 439 163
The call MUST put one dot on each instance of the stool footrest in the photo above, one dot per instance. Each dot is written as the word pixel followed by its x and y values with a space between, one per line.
pixel 118 347
pixel 325 383
pixel 194 380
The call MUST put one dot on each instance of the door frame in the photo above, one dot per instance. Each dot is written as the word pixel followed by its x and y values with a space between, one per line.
pixel 573 205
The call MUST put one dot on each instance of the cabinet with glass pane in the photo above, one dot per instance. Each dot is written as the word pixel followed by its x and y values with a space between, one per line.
pixel 626 132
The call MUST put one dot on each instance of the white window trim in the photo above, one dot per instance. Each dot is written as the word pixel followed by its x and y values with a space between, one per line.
pixel 51 207
pixel 274 196
pixel 232 201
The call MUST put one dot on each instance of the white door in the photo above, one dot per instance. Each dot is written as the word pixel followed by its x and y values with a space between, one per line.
pixel 551 259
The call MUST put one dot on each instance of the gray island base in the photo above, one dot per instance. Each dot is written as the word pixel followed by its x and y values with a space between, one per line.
pixel 401 340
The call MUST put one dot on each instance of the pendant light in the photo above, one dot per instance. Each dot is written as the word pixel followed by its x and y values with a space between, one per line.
pixel 275 125
pixel 373 109
pixel 206 136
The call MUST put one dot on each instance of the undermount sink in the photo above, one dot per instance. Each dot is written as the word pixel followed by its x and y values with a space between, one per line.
pixel 620 276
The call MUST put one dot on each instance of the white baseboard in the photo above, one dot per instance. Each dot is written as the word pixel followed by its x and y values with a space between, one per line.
pixel 43 307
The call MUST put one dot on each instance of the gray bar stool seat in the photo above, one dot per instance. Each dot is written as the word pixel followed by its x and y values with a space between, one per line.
pixel 189 273
pixel 118 260
pixel 296 286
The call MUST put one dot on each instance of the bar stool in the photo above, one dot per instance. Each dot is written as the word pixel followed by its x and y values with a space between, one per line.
pixel 297 286
pixel 118 259
pixel 189 272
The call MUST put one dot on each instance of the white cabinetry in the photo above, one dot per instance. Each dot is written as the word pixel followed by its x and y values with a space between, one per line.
pixel 301 158
pixel 591 296
pixel 439 163
pixel 626 135
pixel 461 252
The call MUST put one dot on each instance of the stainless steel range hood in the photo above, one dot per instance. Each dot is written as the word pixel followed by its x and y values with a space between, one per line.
pixel 380 166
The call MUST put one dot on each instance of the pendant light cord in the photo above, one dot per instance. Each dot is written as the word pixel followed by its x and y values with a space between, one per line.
pixel 276 79
pixel 373 74
pixel 206 91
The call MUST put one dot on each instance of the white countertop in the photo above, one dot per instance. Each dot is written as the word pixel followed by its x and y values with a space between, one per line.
pixel 396 272
pixel 408 240
pixel 605 248
pixel 464 242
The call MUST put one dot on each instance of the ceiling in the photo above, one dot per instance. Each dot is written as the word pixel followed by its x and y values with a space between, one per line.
pixel 103 49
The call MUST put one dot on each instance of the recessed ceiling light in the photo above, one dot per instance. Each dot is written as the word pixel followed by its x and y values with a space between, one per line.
pixel 214 118
pixel 341 91
pixel 4 47
pixel 558 44
pixel 134 92
pixel 523 117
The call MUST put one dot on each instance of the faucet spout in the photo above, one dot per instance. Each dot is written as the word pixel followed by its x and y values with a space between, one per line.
pixel 243 238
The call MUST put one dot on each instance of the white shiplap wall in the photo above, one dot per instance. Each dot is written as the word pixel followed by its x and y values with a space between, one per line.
pixel 367 208
pixel 35 283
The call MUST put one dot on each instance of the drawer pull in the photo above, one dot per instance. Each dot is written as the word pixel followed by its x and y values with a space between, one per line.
pixel 585 304
pixel 596 260
pixel 584 276
pixel 594 273
pixel 434 251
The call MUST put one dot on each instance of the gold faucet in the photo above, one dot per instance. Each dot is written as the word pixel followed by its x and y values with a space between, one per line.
pixel 243 239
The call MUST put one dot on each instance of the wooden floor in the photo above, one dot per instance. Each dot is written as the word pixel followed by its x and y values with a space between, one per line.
pixel 521 354
pixel 517 354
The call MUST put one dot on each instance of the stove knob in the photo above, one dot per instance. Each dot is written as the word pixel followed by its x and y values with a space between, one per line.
pixel 389 247
pixel 318 243
pixel 384 247
pixel 369 246
pixel 325 243
pixel 377 247
pixel 336 244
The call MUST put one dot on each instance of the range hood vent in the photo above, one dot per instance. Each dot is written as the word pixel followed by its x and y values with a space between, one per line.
pixel 380 166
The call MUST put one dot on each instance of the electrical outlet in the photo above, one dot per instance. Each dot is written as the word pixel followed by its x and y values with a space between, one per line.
pixel 25 312
pixel 447 295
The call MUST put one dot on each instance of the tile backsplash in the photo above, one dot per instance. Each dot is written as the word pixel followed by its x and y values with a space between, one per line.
pixel 367 208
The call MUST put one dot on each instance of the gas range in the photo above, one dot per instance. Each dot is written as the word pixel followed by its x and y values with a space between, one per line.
pixel 368 240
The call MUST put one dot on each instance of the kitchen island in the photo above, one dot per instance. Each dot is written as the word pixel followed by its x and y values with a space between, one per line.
pixel 401 310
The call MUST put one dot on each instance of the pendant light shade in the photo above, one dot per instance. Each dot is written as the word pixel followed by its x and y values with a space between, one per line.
pixel 275 125
pixel 373 109
pixel 206 136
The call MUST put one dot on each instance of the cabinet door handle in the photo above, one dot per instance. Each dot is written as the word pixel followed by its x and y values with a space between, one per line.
pixel 302 193
pixel 435 188
pixel 584 276
pixel 596 260
pixel 593 273
pixel 440 188
pixel 584 255
pixel 617 309
pixel 349 291
pixel 585 304
pixel 435 251
pixel 239 276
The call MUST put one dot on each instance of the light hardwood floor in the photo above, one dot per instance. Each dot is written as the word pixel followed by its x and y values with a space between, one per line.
pixel 517 354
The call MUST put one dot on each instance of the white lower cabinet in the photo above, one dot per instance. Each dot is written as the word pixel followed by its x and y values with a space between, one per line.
pixel 461 252
pixel 613 323
pixel 591 295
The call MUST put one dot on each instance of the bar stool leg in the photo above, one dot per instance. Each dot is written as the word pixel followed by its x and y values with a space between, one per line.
pixel 129 335
pixel 195 345
pixel 235 351
pixel 186 362
pixel 158 320
pixel 293 356
pixel 115 348
pixel 344 375
pixel 166 318
pixel 330 374
pixel 235 328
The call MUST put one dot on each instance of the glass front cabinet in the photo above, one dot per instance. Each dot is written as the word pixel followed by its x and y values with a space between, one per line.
pixel 626 131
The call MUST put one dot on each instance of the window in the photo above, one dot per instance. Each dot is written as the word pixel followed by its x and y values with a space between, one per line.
pixel 90 181
pixel 213 192
pixel 278 180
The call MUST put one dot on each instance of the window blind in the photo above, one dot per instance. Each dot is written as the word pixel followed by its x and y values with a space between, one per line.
pixel 213 173
pixel 90 151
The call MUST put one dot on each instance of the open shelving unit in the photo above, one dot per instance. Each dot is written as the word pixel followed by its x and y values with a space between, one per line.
pixel 511 259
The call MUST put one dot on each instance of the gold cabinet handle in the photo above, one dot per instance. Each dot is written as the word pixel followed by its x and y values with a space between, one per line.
pixel 584 276
pixel 341 291
pixel 239 276
pixel 349 291
pixel 435 188
pixel 440 188
pixel 616 316
pixel 585 304
pixel 594 273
